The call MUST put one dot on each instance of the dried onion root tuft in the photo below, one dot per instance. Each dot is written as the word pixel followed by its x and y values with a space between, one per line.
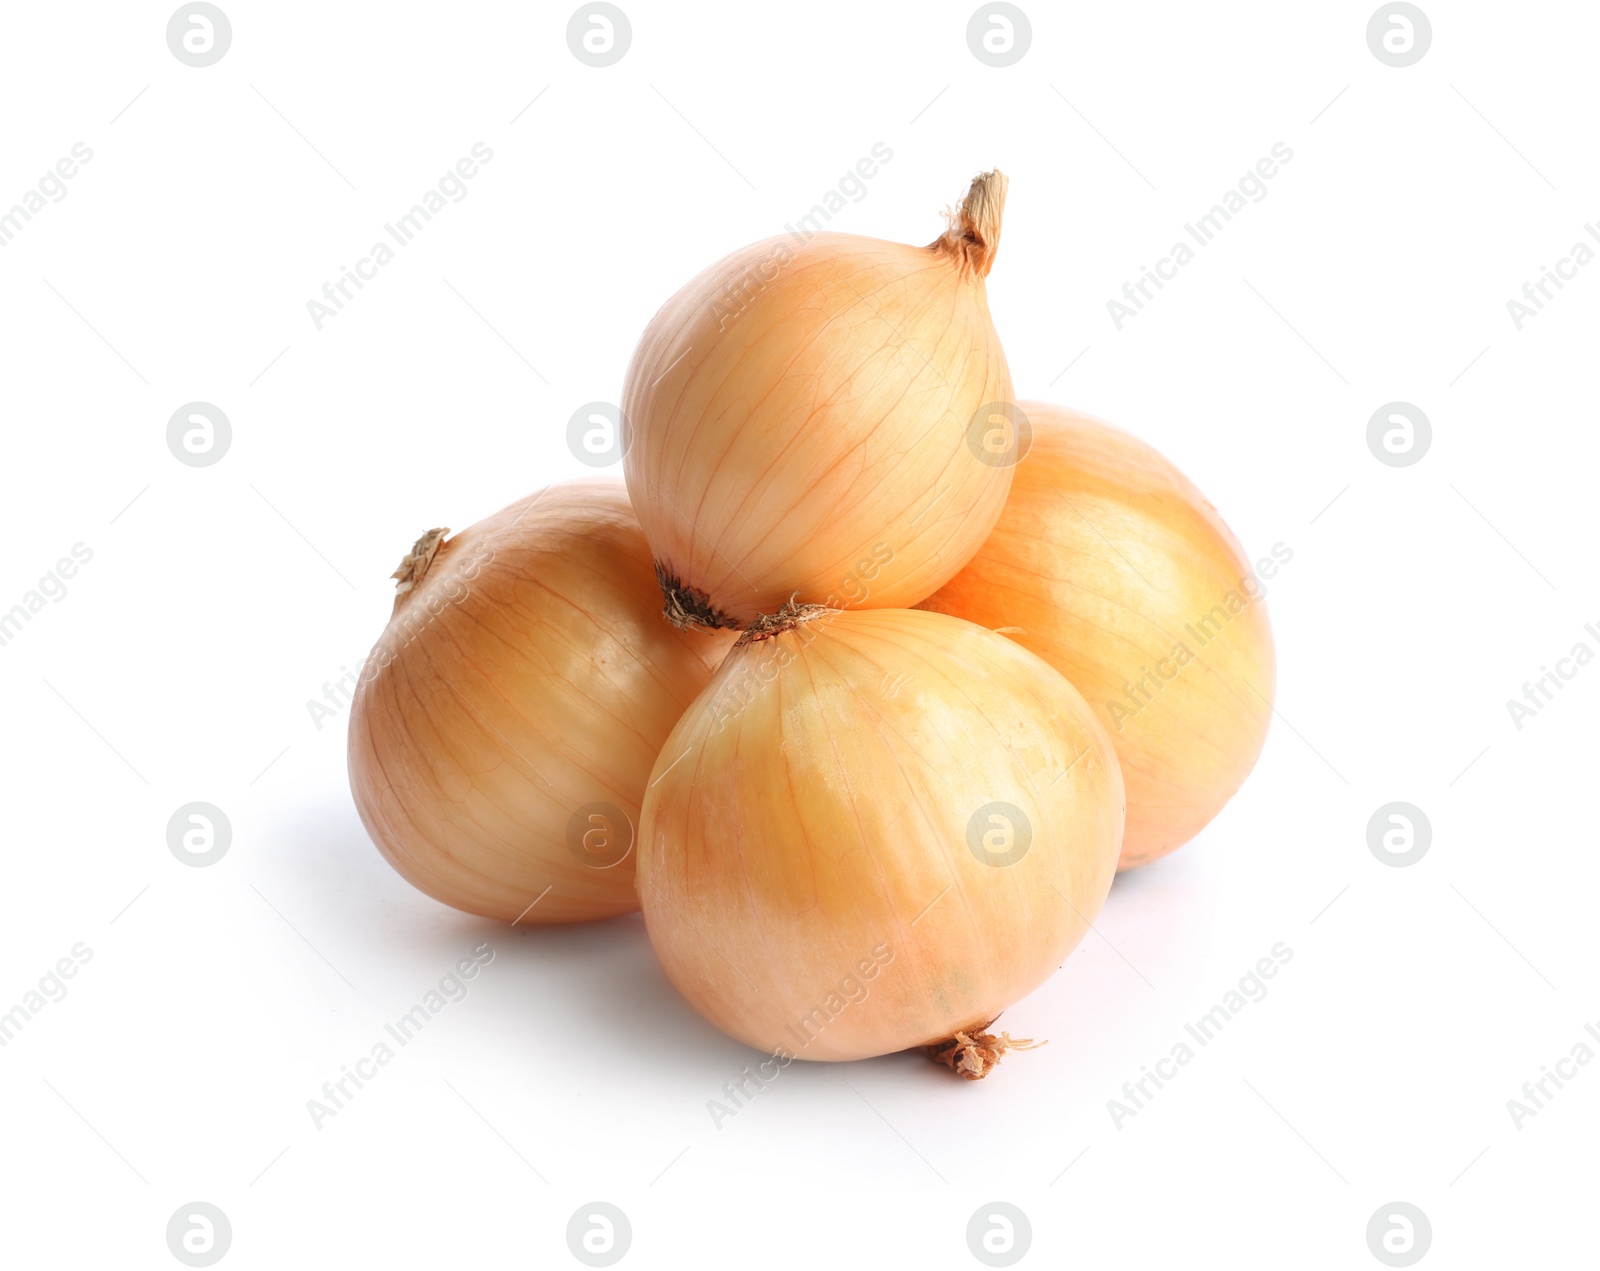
pixel 974 1055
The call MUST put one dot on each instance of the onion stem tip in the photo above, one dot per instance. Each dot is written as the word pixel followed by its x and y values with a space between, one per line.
pixel 974 233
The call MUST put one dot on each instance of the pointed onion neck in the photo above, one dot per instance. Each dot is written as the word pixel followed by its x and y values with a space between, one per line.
pixel 416 563
pixel 974 233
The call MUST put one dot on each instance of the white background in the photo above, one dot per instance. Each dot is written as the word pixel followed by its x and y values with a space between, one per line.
pixel 220 599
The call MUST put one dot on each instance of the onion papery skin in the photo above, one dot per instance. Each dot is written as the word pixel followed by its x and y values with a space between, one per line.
pixel 800 417
pixel 526 677
pixel 809 820
pixel 1106 562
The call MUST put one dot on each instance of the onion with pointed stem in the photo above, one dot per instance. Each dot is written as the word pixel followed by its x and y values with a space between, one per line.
pixel 822 415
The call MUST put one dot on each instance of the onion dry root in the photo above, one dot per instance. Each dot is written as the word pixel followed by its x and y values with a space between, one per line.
pixel 974 1056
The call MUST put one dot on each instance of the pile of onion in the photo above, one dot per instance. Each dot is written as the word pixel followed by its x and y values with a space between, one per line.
pixel 988 654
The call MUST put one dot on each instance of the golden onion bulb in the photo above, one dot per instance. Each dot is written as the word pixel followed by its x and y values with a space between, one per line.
pixel 1111 565
pixel 505 723
pixel 873 830
pixel 824 416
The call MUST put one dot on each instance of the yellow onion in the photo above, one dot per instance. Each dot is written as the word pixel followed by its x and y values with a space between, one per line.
pixel 873 830
pixel 1114 568
pixel 506 721
pixel 822 415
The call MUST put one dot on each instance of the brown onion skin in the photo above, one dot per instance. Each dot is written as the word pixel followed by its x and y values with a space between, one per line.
pixel 1103 556
pixel 783 456
pixel 816 803
pixel 548 684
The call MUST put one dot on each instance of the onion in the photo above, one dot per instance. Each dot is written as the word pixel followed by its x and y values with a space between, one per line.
pixel 873 830
pixel 507 720
pixel 822 415
pixel 1114 568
